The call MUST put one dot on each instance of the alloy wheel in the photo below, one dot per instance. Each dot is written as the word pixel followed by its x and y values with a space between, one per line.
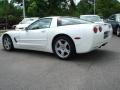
pixel 62 48
pixel 7 43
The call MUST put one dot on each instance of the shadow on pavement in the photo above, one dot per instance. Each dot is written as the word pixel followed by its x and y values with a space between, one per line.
pixel 97 55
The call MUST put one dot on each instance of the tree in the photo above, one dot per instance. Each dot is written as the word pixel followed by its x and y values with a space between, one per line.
pixel 107 7
pixel 50 7
pixel 37 8
pixel 84 7
pixel 9 13
pixel 72 9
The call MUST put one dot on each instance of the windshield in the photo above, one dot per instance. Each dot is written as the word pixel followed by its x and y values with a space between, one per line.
pixel 91 18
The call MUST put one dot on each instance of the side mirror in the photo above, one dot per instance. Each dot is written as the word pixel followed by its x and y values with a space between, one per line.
pixel 26 28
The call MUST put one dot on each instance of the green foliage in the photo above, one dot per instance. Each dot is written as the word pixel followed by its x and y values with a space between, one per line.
pixel 107 7
pixel 48 7
pixel 41 8
pixel 37 8
pixel 7 9
pixel 103 7
pixel 84 7
pixel 9 13
pixel 3 5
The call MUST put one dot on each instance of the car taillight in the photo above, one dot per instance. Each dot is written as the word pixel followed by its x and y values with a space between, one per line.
pixel 95 29
pixel 100 29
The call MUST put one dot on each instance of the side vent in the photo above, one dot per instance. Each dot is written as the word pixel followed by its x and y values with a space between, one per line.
pixel 15 40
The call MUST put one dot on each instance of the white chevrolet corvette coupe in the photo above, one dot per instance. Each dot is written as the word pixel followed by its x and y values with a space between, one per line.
pixel 63 36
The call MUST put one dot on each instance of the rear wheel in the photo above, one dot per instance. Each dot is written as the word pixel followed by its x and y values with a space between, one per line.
pixel 118 32
pixel 7 43
pixel 63 47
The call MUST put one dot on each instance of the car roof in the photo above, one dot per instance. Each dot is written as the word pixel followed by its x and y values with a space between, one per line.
pixel 117 14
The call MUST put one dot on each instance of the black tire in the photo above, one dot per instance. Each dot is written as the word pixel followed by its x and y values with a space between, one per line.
pixel 69 49
pixel 7 43
pixel 118 31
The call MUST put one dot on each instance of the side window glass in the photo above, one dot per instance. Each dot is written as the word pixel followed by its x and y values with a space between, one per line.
pixel 40 24
pixel 34 26
pixel 68 21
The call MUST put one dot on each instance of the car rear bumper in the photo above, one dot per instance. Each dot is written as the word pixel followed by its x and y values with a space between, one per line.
pixel 94 42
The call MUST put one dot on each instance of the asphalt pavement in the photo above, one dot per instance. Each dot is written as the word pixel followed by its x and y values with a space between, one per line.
pixel 33 70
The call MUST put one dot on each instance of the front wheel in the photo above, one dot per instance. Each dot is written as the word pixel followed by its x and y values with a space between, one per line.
pixel 63 47
pixel 118 32
pixel 7 43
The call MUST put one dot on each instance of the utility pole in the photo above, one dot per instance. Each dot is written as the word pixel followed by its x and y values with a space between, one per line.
pixel 6 14
pixel 94 7
pixel 93 2
pixel 24 9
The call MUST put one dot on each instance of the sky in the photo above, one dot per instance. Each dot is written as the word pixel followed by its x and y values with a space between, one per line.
pixel 8 0
pixel 76 1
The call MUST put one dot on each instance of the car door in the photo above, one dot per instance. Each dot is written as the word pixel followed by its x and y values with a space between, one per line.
pixel 35 36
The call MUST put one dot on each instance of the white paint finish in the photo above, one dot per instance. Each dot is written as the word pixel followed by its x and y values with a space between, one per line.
pixel 41 39
pixel 32 38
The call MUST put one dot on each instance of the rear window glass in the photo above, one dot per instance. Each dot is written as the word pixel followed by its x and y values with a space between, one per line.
pixel 91 18
pixel 70 21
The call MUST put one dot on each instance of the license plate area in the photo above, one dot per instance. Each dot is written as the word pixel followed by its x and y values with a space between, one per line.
pixel 106 34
